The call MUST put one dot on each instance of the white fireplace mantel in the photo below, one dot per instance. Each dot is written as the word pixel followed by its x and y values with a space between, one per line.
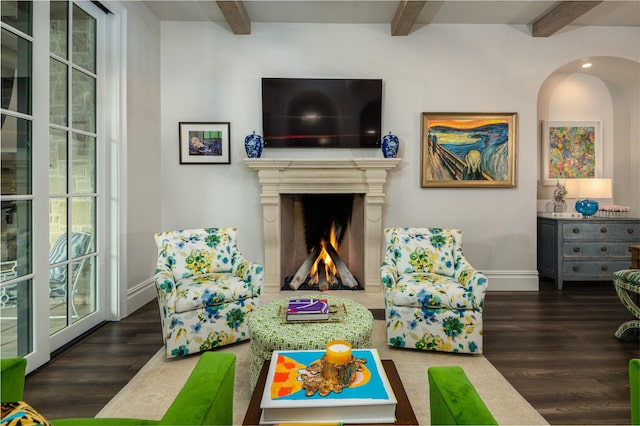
pixel 322 176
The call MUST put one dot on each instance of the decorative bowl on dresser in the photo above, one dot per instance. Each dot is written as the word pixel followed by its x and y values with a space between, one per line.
pixel 585 249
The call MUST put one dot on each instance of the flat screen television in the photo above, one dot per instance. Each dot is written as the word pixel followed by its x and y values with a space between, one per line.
pixel 321 113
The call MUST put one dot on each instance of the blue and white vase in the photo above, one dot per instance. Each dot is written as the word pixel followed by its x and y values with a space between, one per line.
pixel 390 145
pixel 253 144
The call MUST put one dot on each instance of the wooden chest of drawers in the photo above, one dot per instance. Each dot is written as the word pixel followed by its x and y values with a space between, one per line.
pixel 585 249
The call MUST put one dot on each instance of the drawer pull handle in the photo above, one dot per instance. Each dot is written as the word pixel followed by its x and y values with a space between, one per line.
pixel 603 229
pixel 576 230
pixel 630 230
pixel 576 249
pixel 576 268
pixel 604 268
pixel 603 249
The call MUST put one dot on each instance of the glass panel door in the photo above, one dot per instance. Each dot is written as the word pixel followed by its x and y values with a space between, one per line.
pixel 72 166
pixel 16 159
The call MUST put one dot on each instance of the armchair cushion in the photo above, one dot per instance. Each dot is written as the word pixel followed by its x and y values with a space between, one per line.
pixel 198 251
pixel 424 250
pixel 443 292
pixel 221 288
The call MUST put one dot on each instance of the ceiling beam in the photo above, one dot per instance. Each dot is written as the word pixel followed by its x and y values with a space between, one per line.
pixel 236 16
pixel 406 14
pixel 560 16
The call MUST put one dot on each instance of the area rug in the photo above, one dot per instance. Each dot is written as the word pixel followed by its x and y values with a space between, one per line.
pixel 151 391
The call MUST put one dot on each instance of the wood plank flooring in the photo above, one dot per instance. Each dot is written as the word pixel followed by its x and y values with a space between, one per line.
pixel 556 348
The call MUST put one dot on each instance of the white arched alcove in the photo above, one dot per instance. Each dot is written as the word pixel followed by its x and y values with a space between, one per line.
pixel 608 92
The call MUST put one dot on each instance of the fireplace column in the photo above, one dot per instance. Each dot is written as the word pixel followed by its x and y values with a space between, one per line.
pixel 322 176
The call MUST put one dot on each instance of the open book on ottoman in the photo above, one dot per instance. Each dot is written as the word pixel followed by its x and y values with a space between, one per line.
pixel 368 399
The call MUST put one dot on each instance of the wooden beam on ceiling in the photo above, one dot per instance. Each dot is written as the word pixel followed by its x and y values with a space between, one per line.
pixel 406 14
pixel 560 16
pixel 236 16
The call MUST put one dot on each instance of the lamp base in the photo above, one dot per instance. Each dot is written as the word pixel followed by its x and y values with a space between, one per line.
pixel 587 207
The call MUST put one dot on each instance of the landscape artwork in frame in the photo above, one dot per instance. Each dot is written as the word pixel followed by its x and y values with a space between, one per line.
pixel 204 143
pixel 571 150
pixel 468 150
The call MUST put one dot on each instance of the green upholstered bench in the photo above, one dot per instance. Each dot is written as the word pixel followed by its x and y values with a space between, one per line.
pixel 205 399
pixel 453 400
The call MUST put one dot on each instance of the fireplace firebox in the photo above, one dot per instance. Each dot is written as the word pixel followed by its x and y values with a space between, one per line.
pixel 282 183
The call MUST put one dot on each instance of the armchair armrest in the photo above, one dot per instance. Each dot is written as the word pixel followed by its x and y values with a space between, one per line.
pixel 388 269
pixel 249 271
pixel 207 396
pixel 13 370
pixel 165 286
pixel 471 279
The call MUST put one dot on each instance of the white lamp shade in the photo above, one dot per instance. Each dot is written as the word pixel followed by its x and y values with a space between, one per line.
pixel 594 188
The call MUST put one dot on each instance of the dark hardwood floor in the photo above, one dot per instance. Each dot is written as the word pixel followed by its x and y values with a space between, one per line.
pixel 556 348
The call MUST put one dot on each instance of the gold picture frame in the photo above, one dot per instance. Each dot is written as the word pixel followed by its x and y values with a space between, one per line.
pixel 468 150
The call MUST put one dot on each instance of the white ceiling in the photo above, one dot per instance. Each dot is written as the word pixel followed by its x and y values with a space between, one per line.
pixel 516 12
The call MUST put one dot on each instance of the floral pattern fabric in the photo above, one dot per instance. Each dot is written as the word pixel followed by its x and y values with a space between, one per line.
pixel 433 304
pixel 206 289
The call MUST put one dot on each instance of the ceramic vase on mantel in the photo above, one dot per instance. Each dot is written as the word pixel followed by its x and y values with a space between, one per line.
pixel 390 144
pixel 253 144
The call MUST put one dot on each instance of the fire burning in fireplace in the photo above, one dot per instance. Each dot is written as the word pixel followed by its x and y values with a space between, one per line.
pixel 321 242
pixel 323 268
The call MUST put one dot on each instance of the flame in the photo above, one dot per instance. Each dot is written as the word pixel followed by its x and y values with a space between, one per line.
pixel 329 267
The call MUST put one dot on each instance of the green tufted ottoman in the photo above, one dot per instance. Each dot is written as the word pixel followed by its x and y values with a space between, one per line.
pixel 627 281
pixel 269 333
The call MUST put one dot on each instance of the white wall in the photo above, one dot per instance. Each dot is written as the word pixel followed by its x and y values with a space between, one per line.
pixel 210 75
pixel 141 168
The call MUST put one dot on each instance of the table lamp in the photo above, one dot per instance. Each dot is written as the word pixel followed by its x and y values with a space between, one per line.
pixel 588 190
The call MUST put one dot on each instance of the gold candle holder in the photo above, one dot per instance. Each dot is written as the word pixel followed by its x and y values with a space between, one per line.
pixel 338 365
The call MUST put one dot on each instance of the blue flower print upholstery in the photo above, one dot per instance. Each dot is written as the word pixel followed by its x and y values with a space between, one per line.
pixel 206 289
pixel 433 296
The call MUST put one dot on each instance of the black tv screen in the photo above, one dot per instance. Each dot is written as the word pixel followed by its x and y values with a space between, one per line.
pixel 321 113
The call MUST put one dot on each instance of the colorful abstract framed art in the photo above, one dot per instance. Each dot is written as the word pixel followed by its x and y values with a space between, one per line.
pixel 571 150
pixel 468 150
pixel 205 143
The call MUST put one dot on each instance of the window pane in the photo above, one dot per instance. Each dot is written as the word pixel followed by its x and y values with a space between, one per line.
pixel 58 93
pixel 57 161
pixel 15 153
pixel 57 230
pixel 16 73
pixel 59 24
pixel 83 167
pixel 15 253
pixel 84 288
pixel 16 319
pixel 84 40
pixel 83 222
pixel 17 14
pixel 83 101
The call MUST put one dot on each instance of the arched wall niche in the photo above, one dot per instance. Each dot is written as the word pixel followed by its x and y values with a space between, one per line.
pixel 608 92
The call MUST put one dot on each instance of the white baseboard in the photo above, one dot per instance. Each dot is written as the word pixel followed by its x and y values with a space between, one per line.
pixel 140 295
pixel 512 280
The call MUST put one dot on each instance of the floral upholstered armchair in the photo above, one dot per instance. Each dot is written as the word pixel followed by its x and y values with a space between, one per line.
pixel 206 289
pixel 433 296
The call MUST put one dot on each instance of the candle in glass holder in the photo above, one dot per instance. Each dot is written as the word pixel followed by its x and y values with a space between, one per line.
pixel 338 352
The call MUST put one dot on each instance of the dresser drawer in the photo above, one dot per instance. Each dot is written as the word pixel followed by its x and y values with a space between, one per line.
pixel 586 230
pixel 592 269
pixel 604 249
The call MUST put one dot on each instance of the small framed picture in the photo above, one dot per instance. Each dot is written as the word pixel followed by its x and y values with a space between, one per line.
pixel 205 143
